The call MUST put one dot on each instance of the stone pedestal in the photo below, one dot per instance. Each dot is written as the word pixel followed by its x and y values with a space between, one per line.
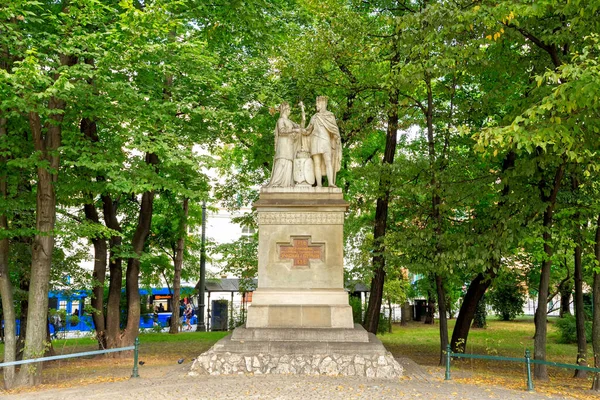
pixel 300 320
pixel 300 260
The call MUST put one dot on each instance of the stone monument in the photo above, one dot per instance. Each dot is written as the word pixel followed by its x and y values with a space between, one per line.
pixel 300 320
pixel 300 260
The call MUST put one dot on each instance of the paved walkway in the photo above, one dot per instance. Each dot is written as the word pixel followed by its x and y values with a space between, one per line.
pixel 414 372
pixel 174 383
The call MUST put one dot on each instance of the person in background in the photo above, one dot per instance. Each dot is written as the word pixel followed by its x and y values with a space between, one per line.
pixel 155 316
pixel 188 316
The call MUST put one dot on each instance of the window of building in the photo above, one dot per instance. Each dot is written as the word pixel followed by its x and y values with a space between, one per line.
pixel 247 231
pixel 75 307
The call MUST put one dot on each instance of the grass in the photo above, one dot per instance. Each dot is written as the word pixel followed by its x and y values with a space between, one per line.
pixel 510 339
pixel 499 338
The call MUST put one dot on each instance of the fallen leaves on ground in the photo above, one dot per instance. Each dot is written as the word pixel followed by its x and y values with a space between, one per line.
pixel 557 386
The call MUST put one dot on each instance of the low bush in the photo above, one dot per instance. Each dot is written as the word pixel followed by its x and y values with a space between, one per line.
pixel 507 296
pixel 384 325
pixel 568 330
pixel 357 313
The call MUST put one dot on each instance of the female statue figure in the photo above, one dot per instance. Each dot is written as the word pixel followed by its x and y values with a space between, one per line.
pixel 286 132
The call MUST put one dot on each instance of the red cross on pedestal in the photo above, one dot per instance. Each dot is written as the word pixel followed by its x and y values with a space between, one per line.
pixel 300 252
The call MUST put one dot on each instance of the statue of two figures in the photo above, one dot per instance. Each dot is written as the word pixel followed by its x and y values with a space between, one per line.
pixel 304 155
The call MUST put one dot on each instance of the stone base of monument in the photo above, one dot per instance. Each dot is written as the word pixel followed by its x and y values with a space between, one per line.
pixel 303 351
pixel 297 308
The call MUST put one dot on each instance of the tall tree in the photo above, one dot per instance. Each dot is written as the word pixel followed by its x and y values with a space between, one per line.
pixel 49 69
pixel 542 130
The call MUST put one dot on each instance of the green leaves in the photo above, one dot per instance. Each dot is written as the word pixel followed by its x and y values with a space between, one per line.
pixel 240 258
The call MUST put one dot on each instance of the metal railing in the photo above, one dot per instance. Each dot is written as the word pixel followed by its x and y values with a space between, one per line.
pixel 527 360
pixel 135 348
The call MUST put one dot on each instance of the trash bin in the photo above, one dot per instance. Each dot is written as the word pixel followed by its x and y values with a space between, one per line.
pixel 219 315
pixel 420 310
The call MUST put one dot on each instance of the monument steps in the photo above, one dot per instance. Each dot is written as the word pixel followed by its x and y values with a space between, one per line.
pixel 357 334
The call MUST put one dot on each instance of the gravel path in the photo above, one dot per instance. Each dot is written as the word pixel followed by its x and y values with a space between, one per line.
pixel 173 383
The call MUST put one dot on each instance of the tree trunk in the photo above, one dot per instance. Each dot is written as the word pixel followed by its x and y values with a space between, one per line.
pixel 6 289
pixel 450 311
pixel 596 312
pixel 43 245
pixel 430 315
pixel 540 371
pixel 99 277
pixel 436 215
pixel 8 310
pixel 475 292
pixel 441 294
pixel 113 310
pixel 539 339
pixel 132 290
pixel 405 315
pixel 390 316
pixel 177 265
pixel 381 214
pixel 46 141
pixel 565 289
pixel 90 131
pixel 24 287
pixel 479 321
pixel 579 309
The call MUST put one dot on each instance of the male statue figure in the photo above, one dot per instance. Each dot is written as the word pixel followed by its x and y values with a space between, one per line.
pixel 325 143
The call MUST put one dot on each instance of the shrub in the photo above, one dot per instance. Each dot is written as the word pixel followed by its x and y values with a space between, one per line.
pixel 356 304
pixel 74 320
pixel 568 330
pixel 479 320
pixel 507 296
pixel 384 325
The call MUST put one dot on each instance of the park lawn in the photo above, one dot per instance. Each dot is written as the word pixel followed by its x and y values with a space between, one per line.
pixel 163 345
pixel 420 343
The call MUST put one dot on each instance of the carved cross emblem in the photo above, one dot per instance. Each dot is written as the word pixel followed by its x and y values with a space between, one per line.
pixel 301 251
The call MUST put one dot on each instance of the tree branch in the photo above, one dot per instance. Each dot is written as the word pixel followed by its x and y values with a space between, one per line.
pixel 551 49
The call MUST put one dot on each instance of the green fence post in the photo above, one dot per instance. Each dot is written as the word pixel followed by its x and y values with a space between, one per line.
pixel 528 363
pixel 134 373
pixel 448 355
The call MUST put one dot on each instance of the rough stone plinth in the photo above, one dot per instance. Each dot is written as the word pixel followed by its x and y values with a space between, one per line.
pixel 371 366
pixel 270 351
